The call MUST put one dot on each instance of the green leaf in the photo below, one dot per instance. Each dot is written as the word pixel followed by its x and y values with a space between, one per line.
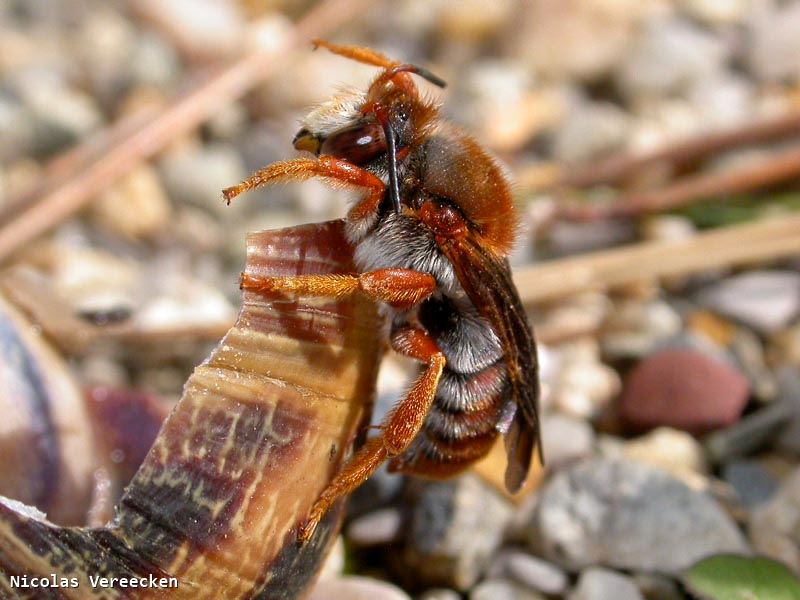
pixel 729 577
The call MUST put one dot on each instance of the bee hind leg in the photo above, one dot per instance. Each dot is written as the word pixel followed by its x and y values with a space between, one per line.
pixel 401 288
pixel 398 429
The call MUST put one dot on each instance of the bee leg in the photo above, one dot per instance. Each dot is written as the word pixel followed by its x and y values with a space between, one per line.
pixel 337 171
pixel 398 429
pixel 401 288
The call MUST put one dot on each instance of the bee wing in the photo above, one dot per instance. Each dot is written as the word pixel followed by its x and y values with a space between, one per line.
pixel 487 281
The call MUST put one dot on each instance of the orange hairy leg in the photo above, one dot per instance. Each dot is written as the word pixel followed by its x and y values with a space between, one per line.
pixel 397 430
pixel 338 172
pixel 358 53
pixel 401 288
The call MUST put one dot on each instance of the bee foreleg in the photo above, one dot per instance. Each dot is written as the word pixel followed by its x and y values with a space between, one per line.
pixel 398 429
pixel 401 288
pixel 336 171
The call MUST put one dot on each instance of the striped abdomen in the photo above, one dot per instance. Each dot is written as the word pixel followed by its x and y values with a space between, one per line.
pixel 462 424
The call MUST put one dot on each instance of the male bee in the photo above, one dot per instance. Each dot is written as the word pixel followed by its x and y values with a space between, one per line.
pixel 432 230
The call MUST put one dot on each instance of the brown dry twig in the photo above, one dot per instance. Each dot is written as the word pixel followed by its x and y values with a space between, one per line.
pixel 618 167
pixel 764 240
pixel 775 169
pixel 97 164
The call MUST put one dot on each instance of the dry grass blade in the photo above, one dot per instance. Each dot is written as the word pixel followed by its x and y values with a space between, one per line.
pixel 103 163
pixel 743 244
pixel 735 180
pixel 615 168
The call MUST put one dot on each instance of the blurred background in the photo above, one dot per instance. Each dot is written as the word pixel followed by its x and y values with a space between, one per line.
pixel 654 150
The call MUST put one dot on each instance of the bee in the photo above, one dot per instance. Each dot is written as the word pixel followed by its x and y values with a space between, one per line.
pixel 431 231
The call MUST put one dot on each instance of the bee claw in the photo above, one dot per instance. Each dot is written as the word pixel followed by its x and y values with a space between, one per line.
pixel 307 529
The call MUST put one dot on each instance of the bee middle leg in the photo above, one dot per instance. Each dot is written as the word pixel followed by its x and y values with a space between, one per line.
pixel 398 430
pixel 401 288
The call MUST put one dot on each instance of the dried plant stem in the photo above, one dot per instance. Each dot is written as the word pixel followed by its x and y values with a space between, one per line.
pixel 618 167
pixel 735 180
pixel 764 240
pixel 73 190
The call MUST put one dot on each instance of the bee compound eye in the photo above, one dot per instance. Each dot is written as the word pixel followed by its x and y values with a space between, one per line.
pixel 358 144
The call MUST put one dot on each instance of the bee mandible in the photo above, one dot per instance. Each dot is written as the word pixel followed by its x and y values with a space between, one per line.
pixel 432 230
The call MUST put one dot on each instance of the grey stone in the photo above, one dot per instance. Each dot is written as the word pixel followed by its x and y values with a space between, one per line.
pixel 774 527
pixel 566 238
pixel 748 351
pixel 628 515
pixel 636 328
pixel 502 589
pixel 668 57
pixel 207 28
pixel 375 528
pixel 530 571
pixel 602 584
pixel 565 439
pixel 456 528
pixel 752 483
pixel 154 62
pixel 764 300
pixel 61 115
pixel 16 129
pixel 789 394
pixel 773 53
pixel 198 175
pixel 590 130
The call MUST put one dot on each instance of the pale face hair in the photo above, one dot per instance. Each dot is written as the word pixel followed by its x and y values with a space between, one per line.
pixel 339 111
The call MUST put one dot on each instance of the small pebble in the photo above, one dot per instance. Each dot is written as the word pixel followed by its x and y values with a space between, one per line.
pixel 502 589
pixel 785 345
pixel 530 571
pixel 603 584
pixel 334 562
pixel 766 301
pixel 627 515
pixel 352 587
pixel 585 388
pixel 748 351
pixel 684 389
pixel 788 379
pixel 669 55
pixel 590 130
pixel 136 207
pixel 375 528
pixel 202 28
pixel 456 529
pixel 565 439
pixel 752 483
pixel 773 53
pixel 198 175
pixel 675 451
pixel 635 328
pixel 566 238
pixel 774 526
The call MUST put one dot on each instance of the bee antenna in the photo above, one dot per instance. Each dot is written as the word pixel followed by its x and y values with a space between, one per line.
pixel 422 72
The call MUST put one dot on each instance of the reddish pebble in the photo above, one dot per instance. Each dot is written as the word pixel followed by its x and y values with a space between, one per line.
pixel 684 389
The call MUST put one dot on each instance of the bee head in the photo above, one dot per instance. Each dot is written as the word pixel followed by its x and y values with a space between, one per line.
pixel 388 120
